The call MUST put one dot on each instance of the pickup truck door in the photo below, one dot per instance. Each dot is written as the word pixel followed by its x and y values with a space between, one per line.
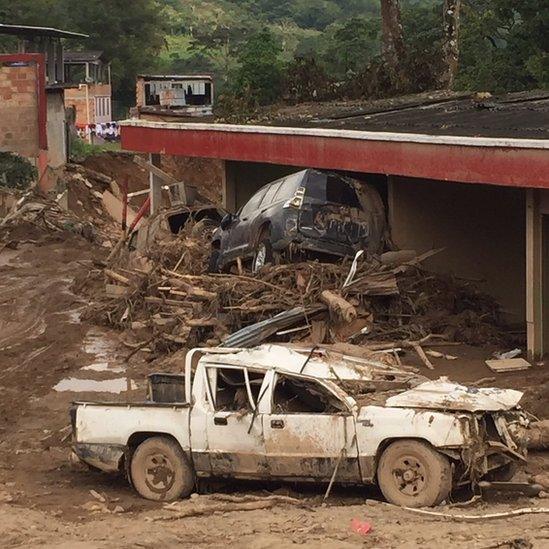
pixel 234 428
pixel 309 432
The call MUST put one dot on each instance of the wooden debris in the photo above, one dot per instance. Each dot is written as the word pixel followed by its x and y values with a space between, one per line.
pixel 487 516
pixel 339 307
pixel 114 290
pixel 115 276
pixel 421 353
pixel 438 354
pixel 508 365
pixel 384 306
pixel 225 504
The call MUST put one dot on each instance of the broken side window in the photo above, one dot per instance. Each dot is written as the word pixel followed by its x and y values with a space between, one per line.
pixel 298 396
pixel 235 389
pixel 338 191
pixel 253 204
pixel 270 194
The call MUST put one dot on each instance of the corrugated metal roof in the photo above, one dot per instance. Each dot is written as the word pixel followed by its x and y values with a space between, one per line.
pixel 83 56
pixel 175 76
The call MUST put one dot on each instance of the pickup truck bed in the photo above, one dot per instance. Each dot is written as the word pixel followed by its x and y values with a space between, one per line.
pixel 110 428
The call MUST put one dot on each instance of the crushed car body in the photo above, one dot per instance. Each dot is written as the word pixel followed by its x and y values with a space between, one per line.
pixel 276 413
pixel 170 221
pixel 309 211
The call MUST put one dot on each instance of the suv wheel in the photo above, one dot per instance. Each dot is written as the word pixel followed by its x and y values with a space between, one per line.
pixel 263 255
pixel 213 261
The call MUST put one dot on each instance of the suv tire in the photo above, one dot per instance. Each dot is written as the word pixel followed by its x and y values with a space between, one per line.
pixel 263 255
pixel 213 261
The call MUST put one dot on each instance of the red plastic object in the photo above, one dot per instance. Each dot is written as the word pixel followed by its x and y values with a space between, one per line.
pixel 361 526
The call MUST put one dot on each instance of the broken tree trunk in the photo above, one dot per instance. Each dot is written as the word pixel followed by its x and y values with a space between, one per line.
pixel 538 435
pixel 450 24
pixel 339 307
pixel 392 44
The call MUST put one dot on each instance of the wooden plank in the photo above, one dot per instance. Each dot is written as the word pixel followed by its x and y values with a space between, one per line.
pixel 508 365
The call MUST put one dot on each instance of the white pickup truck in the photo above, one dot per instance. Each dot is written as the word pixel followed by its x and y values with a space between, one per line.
pixel 281 414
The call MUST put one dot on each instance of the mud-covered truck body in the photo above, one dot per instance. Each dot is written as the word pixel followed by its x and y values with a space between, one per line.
pixel 274 413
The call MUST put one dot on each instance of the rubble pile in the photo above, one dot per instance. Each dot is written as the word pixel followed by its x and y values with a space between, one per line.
pixel 76 207
pixel 169 301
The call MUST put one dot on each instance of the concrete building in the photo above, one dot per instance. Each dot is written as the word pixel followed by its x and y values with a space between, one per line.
pixel 173 97
pixel 33 120
pixel 471 178
pixel 89 72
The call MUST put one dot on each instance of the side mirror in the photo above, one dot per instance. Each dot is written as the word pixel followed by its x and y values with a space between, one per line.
pixel 227 221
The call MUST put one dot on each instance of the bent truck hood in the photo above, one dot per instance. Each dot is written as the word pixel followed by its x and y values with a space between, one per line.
pixel 444 395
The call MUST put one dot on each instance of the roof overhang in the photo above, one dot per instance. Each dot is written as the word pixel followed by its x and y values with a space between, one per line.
pixel 26 30
pixel 175 76
pixel 498 161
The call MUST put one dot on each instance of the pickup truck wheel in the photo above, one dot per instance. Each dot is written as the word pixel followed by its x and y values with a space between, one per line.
pixel 412 474
pixel 160 470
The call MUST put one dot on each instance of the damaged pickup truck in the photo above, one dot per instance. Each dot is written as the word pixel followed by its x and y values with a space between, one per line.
pixel 275 413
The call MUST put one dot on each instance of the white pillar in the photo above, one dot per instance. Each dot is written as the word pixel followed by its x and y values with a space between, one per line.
pixel 155 185
pixel 534 276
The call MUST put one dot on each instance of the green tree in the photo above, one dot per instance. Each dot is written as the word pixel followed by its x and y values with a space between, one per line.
pixel 315 15
pixel 131 37
pixel 504 45
pixel 260 72
pixel 352 45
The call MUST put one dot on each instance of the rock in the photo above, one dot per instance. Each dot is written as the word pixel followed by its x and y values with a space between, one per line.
pixel 119 509
pixel 98 496
pixel 542 479
pixel 6 497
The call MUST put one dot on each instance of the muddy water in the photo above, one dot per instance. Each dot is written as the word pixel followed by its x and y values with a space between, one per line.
pixel 102 374
pixel 76 385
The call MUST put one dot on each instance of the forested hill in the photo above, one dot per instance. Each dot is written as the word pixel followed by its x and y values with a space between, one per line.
pixel 266 50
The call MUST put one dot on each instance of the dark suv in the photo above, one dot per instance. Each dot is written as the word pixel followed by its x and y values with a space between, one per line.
pixel 309 211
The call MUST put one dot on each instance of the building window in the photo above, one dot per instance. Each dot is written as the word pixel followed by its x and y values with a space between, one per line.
pixel 103 108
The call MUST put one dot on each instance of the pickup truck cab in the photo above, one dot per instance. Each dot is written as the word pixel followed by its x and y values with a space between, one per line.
pixel 275 413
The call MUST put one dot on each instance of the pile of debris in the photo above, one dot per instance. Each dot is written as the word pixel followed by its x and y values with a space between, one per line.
pixel 77 206
pixel 169 301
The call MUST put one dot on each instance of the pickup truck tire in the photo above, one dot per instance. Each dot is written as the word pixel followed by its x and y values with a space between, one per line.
pixel 161 471
pixel 411 473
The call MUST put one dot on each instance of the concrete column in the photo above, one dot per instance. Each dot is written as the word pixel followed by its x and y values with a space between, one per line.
pixel 534 276
pixel 155 185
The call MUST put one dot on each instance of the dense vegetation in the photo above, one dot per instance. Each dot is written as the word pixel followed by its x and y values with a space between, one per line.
pixel 264 50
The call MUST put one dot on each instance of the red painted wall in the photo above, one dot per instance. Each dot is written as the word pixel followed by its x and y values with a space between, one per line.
pixel 519 167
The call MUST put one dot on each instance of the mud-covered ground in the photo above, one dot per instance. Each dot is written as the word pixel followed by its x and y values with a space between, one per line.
pixel 49 357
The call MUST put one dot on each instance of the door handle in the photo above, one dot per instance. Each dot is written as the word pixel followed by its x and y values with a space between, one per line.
pixel 277 424
pixel 220 421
